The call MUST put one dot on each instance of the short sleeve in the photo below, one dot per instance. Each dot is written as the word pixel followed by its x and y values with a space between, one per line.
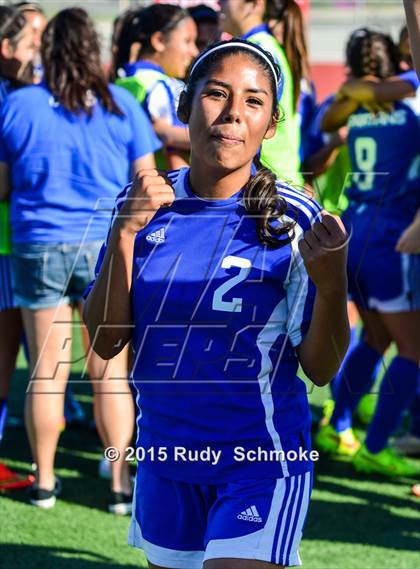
pixel 143 139
pixel 300 295
pixel 300 290
pixel 159 103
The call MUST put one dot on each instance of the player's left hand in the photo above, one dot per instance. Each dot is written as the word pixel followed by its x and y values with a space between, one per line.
pixel 324 252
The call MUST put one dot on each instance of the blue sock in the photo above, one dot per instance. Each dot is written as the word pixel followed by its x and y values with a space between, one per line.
pixel 3 416
pixel 354 339
pixel 398 388
pixel 356 378
pixel 415 414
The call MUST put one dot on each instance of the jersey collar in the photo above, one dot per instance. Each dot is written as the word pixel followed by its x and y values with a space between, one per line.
pixel 256 30
pixel 132 68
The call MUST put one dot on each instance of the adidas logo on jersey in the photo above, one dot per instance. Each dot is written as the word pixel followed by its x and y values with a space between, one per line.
pixel 250 515
pixel 157 236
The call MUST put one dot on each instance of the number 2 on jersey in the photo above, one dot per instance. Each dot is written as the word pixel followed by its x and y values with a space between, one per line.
pixel 234 305
pixel 365 152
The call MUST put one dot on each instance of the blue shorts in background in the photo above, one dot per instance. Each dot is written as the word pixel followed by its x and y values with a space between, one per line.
pixel 379 277
pixel 47 275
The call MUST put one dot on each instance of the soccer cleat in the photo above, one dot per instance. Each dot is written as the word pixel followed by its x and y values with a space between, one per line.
pixel 386 462
pixel 120 504
pixel 43 498
pixel 329 441
pixel 408 445
pixel 327 411
pixel 366 408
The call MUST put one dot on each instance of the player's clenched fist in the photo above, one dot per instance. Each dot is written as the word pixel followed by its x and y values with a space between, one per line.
pixel 324 252
pixel 150 191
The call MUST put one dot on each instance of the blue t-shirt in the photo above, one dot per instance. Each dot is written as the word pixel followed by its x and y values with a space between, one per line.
pixel 62 163
pixel 217 318
pixel 385 159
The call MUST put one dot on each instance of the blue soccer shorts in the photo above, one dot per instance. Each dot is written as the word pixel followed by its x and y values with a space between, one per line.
pixel 379 277
pixel 180 525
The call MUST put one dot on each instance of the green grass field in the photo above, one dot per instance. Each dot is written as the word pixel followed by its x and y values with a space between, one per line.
pixel 355 522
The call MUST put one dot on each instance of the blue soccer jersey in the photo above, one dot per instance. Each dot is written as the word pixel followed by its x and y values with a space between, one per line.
pixel 217 319
pixel 385 158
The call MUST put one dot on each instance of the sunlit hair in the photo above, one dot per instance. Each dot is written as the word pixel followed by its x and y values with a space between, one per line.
pixel 369 52
pixel 261 197
pixel 34 7
pixel 12 26
pixel 289 14
pixel 73 71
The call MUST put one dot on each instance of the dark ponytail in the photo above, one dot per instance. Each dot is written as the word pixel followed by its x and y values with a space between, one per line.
pixel 73 72
pixel 261 197
pixel 125 31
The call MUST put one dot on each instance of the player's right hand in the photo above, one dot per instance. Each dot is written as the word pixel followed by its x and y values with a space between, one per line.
pixel 150 191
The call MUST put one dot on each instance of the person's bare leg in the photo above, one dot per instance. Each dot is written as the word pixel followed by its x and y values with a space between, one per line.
pixel 10 333
pixel 48 333
pixel 115 407
pixel 404 328
pixel 376 334
pixel 113 410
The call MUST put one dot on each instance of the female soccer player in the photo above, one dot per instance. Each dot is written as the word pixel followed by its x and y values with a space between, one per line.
pixel 384 197
pixel 166 35
pixel 210 273
pixel 246 18
pixel 69 144
pixel 16 53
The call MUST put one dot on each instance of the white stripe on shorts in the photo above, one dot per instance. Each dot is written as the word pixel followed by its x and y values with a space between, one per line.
pixel 279 540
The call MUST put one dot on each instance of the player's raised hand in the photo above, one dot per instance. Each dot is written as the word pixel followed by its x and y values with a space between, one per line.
pixel 151 190
pixel 324 252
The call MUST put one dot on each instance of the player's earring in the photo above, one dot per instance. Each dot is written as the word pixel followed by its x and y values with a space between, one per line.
pixel 183 111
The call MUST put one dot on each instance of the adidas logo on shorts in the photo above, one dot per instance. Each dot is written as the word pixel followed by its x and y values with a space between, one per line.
pixel 250 515
pixel 157 236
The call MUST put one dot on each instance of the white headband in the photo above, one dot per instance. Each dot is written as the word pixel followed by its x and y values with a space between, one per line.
pixel 244 45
